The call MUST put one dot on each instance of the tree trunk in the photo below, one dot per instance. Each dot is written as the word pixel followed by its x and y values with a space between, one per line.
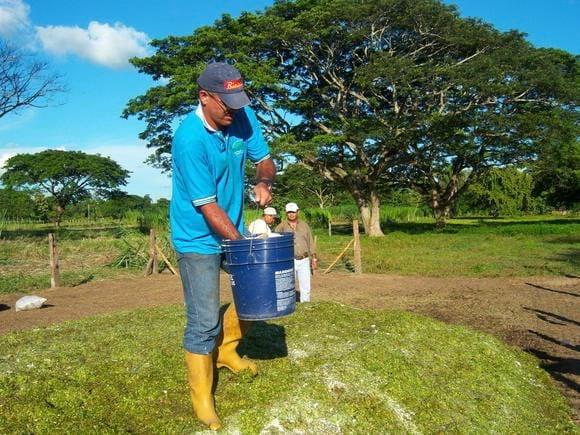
pixel 371 215
pixel 441 214
pixel 59 212
pixel 439 208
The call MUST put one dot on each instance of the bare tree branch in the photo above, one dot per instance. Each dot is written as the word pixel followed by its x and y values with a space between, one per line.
pixel 25 81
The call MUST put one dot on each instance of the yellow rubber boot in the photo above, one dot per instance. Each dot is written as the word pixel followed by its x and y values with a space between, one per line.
pixel 200 378
pixel 233 329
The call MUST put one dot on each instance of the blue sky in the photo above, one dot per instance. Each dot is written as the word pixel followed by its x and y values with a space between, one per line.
pixel 90 42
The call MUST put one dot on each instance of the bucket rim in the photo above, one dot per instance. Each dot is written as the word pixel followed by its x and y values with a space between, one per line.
pixel 273 240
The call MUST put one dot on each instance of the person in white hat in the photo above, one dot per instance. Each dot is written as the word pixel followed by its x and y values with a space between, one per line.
pixel 304 255
pixel 262 225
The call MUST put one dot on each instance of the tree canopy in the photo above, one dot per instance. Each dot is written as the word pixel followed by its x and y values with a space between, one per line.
pixel 15 204
pixel 369 93
pixel 500 192
pixel 68 176
pixel 557 170
pixel 295 183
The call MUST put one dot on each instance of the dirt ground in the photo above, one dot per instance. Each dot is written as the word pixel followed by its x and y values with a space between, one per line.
pixel 540 315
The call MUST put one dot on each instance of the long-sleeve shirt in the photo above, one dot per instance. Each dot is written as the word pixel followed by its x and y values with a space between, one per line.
pixel 303 241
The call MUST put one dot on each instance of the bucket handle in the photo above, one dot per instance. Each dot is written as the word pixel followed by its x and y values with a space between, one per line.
pixel 250 254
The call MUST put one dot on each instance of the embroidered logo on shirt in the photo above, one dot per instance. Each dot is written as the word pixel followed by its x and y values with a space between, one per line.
pixel 238 147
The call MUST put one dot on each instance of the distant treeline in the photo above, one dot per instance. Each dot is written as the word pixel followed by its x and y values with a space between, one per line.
pixel 16 204
pixel 499 192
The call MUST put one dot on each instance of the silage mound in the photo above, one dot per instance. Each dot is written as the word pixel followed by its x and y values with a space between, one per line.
pixel 327 368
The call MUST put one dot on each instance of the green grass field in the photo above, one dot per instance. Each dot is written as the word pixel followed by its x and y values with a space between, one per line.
pixel 325 369
pixel 540 245
pixel 466 247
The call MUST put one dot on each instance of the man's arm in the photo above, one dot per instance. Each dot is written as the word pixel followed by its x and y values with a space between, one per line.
pixel 219 221
pixel 265 173
pixel 311 250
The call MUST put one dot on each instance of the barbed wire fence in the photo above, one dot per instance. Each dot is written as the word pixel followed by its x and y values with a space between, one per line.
pixel 153 253
pixel 340 253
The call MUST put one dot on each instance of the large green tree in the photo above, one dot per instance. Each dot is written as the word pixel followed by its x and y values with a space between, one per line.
pixel 15 204
pixel 504 118
pixel 557 174
pixel 500 192
pixel 366 92
pixel 556 171
pixel 68 176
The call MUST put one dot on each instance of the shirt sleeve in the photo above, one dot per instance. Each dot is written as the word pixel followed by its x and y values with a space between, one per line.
pixel 258 149
pixel 195 170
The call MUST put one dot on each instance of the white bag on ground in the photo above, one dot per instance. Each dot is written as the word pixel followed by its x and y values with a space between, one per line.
pixel 29 303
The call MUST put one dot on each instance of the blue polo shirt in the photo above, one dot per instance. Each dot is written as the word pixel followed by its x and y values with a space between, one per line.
pixel 209 166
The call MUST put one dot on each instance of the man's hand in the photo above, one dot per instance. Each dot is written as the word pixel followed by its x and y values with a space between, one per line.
pixel 314 263
pixel 265 173
pixel 263 193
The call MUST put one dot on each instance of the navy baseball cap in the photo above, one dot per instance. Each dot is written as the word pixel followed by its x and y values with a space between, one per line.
pixel 226 81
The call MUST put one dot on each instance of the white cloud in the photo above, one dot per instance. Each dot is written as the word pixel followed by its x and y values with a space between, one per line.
pixel 4 156
pixel 100 43
pixel 13 17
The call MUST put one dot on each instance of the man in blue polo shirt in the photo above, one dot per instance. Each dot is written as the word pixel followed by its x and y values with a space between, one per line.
pixel 209 152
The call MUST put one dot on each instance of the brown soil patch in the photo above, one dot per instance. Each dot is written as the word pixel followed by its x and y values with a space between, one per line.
pixel 540 315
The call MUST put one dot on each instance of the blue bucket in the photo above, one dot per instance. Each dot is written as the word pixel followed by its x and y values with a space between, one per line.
pixel 262 276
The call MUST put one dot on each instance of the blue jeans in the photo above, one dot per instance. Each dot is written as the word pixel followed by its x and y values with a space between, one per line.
pixel 200 276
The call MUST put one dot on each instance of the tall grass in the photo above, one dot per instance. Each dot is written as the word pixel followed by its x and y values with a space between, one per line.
pixel 404 214
pixel 85 254
pixel 319 217
pixel 347 213
pixel 251 214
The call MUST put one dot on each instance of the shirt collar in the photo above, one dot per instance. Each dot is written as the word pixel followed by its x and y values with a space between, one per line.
pixel 199 113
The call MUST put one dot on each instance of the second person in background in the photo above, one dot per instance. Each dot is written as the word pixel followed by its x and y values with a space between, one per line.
pixel 304 251
pixel 262 225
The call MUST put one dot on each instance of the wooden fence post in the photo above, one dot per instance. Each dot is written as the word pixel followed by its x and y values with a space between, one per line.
pixel 153 251
pixel 54 268
pixel 357 248
pixel 152 265
pixel 164 258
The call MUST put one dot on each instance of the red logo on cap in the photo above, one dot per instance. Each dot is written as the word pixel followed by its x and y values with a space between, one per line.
pixel 233 84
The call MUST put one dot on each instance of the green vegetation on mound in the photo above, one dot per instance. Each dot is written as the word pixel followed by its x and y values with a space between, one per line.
pixel 325 369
